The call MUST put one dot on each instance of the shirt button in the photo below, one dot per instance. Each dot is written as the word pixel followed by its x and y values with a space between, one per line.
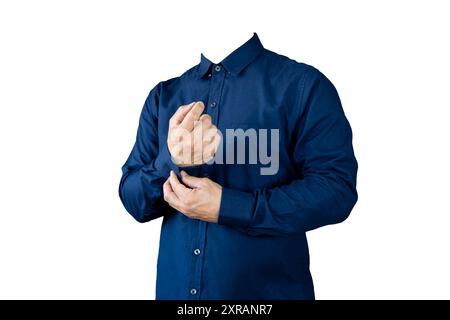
pixel 197 252
pixel 217 68
pixel 193 291
pixel 213 104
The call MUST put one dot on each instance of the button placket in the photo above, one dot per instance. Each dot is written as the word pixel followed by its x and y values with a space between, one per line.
pixel 215 93
pixel 213 104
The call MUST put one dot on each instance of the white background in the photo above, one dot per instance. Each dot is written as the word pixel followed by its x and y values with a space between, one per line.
pixel 74 76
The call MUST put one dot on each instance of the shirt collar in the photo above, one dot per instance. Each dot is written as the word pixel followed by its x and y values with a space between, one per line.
pixel 236 61
pixel 204 66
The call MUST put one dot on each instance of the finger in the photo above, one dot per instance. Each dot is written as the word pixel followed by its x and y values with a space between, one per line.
pixel 169 196
pixel 178 135
pixel 182 154
pixel 191 181
pixel 177 187
pixel 209 150
pixel 197 143
pixel 203 125
pixel 209 134
pixel 180 114
pixel 192 116
pixel 206 120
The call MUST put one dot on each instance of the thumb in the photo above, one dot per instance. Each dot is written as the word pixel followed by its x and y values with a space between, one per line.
pixel 191 181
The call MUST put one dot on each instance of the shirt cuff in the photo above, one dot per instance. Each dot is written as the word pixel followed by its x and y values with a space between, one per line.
pixel 164 164
pixel 236 208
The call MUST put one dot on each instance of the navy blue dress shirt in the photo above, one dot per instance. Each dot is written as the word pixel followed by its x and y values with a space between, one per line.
pixel 258 249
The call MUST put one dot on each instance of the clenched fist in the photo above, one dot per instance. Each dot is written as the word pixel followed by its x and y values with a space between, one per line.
pixel 192 138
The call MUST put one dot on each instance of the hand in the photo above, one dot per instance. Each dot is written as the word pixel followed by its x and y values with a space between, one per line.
pixel 199 199
pixel 192 138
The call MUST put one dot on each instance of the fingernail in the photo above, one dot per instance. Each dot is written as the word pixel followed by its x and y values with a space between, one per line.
pixel 199 105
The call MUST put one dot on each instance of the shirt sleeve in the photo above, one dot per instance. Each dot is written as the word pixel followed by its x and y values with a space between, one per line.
pixel 147 167
pixel 324 189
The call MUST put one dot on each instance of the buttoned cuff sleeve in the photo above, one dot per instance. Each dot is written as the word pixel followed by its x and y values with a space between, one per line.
pixel 164 164
pixel 236 208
